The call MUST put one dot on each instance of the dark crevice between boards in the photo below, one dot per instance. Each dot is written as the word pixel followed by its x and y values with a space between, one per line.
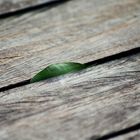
pixel 21 11
pixel 114 57
pixel 11 86
pixel 127 130
pixel 89 64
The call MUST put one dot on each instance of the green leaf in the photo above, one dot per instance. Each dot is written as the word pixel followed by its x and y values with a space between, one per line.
pixel 57 70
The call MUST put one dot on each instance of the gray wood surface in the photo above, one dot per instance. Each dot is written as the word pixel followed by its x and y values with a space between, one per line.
pixel 130 136
pixel 77 31
pixel 93 102
pixel 7 6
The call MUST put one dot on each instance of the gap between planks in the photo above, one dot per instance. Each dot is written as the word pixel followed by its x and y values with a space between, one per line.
pixel 130 136
pixel 101 61
pixel 10 8
pixel 89 64
pixel 77 31
pixel 121 133
pixel 90 58
pixel 94 102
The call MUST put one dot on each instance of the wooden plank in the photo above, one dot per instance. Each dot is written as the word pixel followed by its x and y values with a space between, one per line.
pixel 130 136
pixel 94 102
pixel 7 6
pixel 77 31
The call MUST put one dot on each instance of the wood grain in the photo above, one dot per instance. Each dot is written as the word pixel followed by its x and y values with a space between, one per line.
pixel 94 102
pixel 78 31
pixel 7 6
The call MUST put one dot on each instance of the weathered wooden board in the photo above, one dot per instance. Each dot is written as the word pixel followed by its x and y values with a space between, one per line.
pixel 7 6
pixel 93 102
pixel 131 136
pixel 77 31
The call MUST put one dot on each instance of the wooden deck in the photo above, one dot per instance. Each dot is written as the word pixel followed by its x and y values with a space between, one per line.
pixel 97 103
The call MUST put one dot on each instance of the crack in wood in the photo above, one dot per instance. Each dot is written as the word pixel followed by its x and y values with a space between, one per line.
pixel 9 58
